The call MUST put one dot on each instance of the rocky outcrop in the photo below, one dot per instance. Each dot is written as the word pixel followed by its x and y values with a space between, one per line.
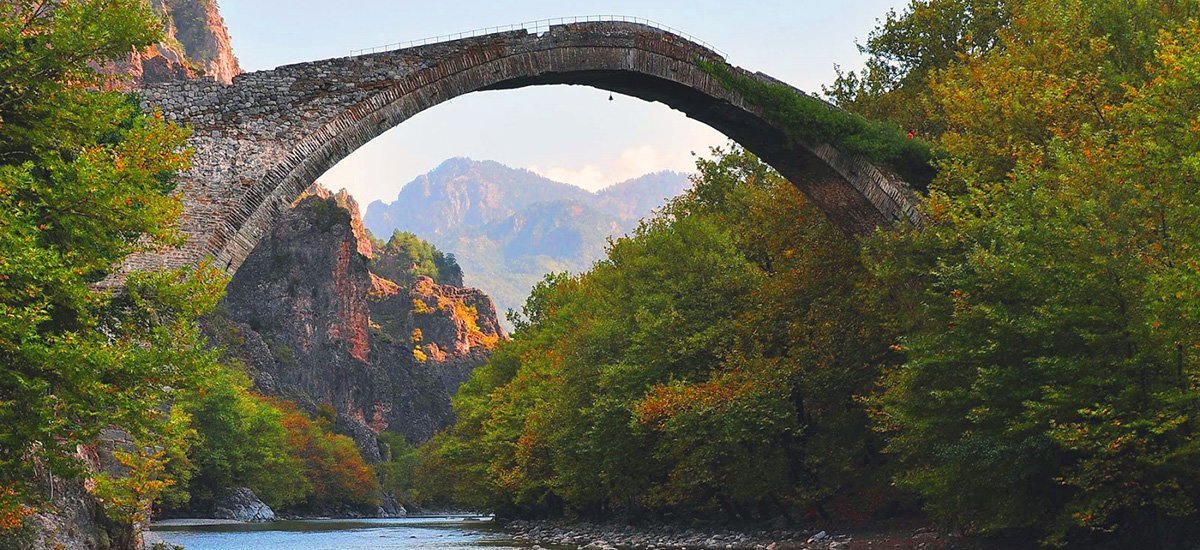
pixel 313 324
pixel 72 517
pixel 241 504
pixel 198 27
pixel 196 44
pixel 346 201
pixel 389 507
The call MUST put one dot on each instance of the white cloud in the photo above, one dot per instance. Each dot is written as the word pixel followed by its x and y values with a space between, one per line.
pixel 589 176
pixel 635 161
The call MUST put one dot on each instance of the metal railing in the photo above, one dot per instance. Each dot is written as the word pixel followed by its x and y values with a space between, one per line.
pixel 536 27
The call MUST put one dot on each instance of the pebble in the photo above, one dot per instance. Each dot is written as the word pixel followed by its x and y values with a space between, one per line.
pixel 588 536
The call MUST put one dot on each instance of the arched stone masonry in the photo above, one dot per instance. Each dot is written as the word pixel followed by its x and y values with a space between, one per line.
pixel 263 139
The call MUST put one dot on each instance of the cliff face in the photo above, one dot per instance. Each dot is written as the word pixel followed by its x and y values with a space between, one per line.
pixel 347 202
pixel 196 44
pixel 72 517
pixel 198 27
pixel 313 324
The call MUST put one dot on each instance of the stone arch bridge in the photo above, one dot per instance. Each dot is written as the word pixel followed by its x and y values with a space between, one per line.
pixel 266 137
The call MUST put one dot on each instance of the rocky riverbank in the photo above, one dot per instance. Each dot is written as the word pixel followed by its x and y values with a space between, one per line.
pixel 614 536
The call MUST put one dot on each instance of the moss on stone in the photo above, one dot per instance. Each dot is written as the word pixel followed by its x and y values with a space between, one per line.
pixel 811 121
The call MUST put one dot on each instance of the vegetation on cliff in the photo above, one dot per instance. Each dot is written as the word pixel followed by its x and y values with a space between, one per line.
pixel 404 257
pixel 353 363
pixel 812 121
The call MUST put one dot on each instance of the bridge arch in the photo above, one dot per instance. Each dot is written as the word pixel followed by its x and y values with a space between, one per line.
pixel 262 140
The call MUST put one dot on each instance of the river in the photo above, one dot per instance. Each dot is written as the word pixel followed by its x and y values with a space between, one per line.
pixel 444 533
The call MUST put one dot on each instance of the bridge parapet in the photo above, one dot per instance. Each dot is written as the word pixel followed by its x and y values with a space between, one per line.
pixel 204 103
pixel 539 26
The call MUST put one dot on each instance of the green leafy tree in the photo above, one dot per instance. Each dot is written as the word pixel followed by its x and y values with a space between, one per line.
pixel 708 365
pixel 907 49
pixel 1048 384
pixel 239 441
pixel 84 182
pixel 405 257
pixel 397 473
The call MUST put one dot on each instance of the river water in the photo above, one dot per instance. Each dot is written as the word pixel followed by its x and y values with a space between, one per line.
pixel 443 533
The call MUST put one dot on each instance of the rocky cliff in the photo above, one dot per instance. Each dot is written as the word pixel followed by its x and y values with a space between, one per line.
pixel 347 202
pixel 312 323
pixel 196 44
pixel 71 517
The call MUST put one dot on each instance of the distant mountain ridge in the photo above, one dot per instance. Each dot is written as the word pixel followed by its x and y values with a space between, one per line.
pixel 507 227
pixel 460 192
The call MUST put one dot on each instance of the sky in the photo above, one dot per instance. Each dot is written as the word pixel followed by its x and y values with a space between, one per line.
pixel 571 134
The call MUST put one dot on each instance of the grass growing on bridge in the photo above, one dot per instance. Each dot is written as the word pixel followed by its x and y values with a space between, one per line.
pixel 806 119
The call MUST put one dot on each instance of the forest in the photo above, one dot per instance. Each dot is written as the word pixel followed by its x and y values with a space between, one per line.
pixel 1025 363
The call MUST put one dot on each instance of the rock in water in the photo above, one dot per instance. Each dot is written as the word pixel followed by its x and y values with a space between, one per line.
pixel 241 504
pixel 389 507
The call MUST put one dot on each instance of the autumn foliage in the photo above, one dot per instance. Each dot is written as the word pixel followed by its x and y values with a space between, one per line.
pixel 1047 315
pixel 333 467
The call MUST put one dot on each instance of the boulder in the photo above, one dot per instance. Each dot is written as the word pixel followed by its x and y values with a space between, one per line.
pixel 241 504
pixel 389 507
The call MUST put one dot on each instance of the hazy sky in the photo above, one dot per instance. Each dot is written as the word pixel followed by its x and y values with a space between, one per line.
pixel 568 133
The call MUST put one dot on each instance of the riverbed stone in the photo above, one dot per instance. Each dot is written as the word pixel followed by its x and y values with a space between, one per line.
pixel 241 504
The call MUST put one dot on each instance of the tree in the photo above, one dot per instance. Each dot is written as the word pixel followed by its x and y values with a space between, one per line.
pixel 239 441
pixel 405 257
pixel 332 464
pixel 84 182
pixel 907 49
pixel 1047 384
pixel 708 365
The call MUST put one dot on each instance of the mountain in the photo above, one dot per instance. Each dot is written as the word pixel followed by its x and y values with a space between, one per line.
pixel 635 198
pixel 313 322
pixel 463 193
pixel 508 227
